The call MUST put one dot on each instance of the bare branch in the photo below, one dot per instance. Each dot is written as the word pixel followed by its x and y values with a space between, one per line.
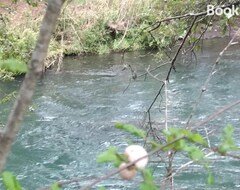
pixel 166 105
pixel 173 63
pixel 202 34
pixel 182 167
pixel 204 87
pixel 151 70
pixel 180 47
pixel 214 115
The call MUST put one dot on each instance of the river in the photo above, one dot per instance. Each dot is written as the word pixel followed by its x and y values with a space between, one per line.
pixel 73 113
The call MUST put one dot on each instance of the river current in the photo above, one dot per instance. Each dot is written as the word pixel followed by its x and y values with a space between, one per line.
pixel 73 113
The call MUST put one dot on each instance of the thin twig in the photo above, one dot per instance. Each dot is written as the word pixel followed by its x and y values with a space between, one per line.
pixel 207 137
pixel 180 47
pixel 150 74
pixel 172 63
pixel 155 68
pixel 214 115
pixel 166 105
pixel 212 72
pixel 182 167
pixel 158 23
pixel 202 34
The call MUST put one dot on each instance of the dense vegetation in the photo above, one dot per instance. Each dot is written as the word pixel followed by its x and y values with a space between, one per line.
pixel 98 27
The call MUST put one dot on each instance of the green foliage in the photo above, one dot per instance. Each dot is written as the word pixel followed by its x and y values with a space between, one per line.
pixel 34 3
pixel 182 144
pixel 5 75
pixel 148 181
pixel 194 153
pixel 17 44
pixel 196 138
pixel 227 143
pixel 111 155
pixel 13 66
pixel 96 39
pixel 10 182
pixel 131 129
pixel 153 144
pixel 185 141
pixel 89 33
pixel 55 186
pixel 101 188
pixel 121 44
pixel 210 179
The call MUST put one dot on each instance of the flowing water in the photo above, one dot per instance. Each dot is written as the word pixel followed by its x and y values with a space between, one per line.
pixel 73 114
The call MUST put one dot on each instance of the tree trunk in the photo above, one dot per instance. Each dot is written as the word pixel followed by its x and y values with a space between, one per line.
pixel 29 83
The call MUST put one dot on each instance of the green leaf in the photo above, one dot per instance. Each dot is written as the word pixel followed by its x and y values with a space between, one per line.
pixel 154 144
pixel 101 188
pixel 180 145
pixel 111 155
pixel 174 133
pixel 148 181
pixel 210 179
pixel 10 182
pixel 55 186
pixel 171 135
pixel 195 153
pixel 131 129
pixel 13 65
pixel 197 138
pixel 227 143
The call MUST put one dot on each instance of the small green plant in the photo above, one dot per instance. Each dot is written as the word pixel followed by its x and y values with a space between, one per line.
pixel 227 143
pixel 10 182
pixel 13 66
pixel 55 186
pixel 148 182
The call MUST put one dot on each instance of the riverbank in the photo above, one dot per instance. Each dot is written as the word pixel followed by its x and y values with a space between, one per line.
pixel 94 27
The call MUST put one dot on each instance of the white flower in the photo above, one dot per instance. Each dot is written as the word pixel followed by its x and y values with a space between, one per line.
pixel 135 152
